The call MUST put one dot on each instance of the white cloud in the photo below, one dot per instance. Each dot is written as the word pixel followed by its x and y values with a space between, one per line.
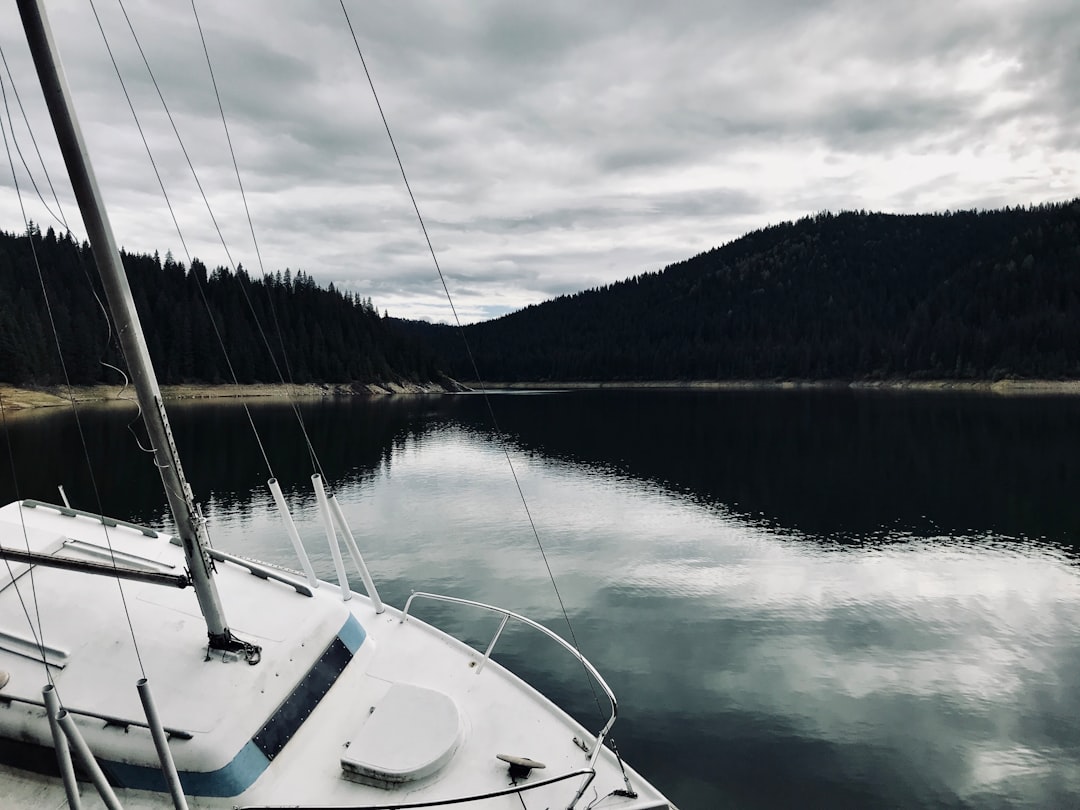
pixel 556 147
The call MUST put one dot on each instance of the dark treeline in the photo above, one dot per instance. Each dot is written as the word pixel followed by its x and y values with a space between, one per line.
pixel 856 295
pixel 329 336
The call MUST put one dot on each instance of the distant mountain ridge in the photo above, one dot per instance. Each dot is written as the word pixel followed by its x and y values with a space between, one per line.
pixel 852 296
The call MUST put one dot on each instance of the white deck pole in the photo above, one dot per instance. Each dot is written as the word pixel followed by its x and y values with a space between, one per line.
pixel 331 535
pixel 290 529
pixel 354 551
pixel 86 757
pixel 168 767
pixel 63 753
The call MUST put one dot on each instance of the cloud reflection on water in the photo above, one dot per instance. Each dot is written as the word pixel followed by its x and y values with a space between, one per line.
pixel 937 671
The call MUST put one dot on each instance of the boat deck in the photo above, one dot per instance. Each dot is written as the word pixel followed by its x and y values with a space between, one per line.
pixel 418 716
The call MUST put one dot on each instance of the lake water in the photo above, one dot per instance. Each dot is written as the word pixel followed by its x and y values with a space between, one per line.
pixel 801 599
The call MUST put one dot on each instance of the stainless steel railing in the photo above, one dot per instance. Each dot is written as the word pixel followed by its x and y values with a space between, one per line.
pixel 594 752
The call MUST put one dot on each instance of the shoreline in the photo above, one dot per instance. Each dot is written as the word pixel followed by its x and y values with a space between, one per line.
pixel 15 399
pixel 1006 387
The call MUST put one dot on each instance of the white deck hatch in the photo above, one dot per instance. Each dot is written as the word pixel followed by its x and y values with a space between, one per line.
pixel 411 733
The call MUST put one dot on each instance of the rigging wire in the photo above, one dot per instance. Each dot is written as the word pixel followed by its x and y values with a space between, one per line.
pixel 250 650
pixel 472 359
pixel 36 632
pixel 316 464
pixel 286 378
pixel 169 205
pixel 71 397
pixel 59 217
pixel 62 220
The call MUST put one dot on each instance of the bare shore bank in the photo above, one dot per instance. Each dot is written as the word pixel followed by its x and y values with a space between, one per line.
pixel 19 399
pixel 1000 387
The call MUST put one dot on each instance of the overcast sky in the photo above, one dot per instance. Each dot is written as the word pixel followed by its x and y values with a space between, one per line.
pixel 552 146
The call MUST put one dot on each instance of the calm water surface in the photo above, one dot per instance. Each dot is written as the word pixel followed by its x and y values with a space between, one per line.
pixel 801 599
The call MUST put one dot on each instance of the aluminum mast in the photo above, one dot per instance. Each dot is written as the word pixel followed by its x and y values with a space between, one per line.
pixel 122 307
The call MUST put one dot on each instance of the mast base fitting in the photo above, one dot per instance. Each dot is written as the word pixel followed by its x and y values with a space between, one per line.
pixel 232 648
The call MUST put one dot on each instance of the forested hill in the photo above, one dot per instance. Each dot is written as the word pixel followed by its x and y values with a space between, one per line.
pixel 329 336
pixel 972 295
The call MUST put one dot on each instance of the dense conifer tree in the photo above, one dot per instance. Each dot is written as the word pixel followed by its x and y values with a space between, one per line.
pixel 856 295
pixel 322 335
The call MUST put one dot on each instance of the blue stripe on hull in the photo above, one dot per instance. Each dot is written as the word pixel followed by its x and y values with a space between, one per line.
pixel 250 762
pixel 229 780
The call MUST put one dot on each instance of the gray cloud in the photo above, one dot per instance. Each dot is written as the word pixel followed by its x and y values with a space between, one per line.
pixel 558 146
